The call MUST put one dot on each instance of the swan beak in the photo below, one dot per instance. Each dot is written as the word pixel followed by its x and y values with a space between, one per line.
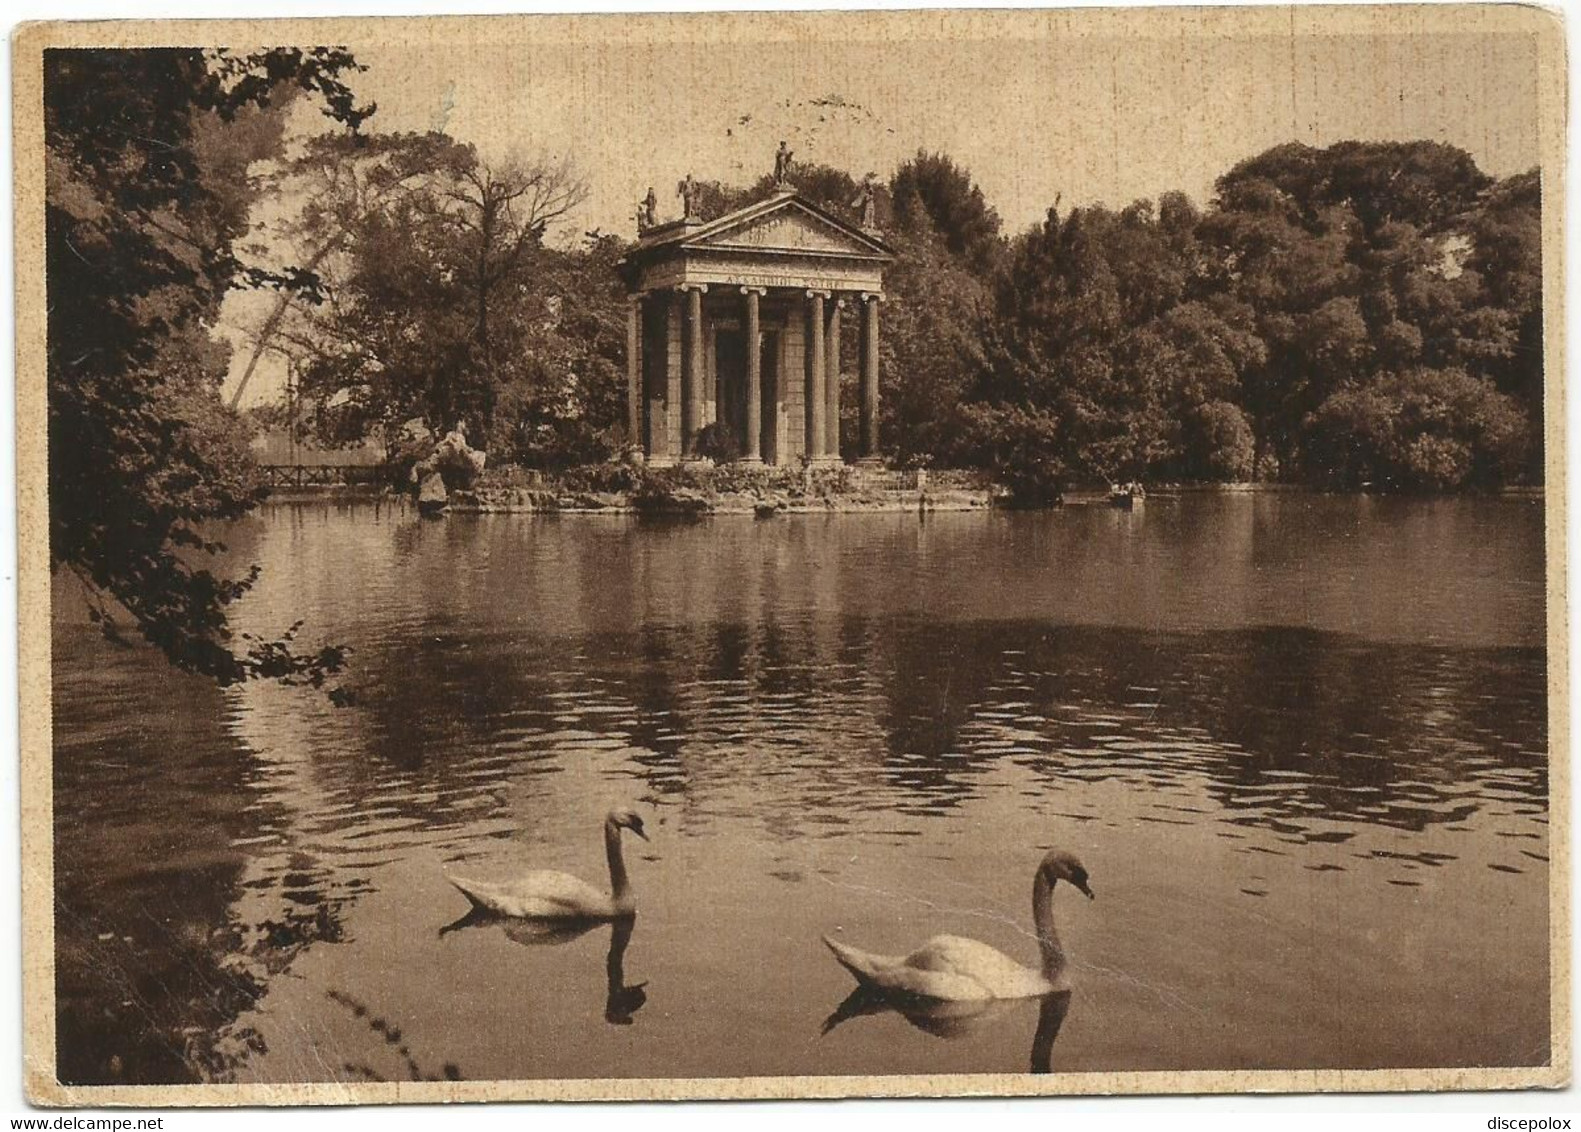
pixel 637 829
pixel 1084 889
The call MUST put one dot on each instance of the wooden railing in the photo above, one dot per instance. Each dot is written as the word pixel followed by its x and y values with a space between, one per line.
pixel 278 476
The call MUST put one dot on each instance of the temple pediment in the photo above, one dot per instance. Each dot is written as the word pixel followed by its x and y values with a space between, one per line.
pixel 783 224
pixel 791 227
pixel 782 242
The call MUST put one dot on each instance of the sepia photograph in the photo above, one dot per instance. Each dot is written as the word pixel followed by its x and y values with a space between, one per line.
pixel 792 554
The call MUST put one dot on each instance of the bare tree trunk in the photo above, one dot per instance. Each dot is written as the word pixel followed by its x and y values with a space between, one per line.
pixel 272 323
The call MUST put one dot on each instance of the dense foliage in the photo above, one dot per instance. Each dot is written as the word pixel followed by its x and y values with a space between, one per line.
pixel 442 304
pixel 147 199
pixel 1362 315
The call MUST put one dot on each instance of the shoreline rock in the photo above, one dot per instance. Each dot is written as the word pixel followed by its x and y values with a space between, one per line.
pixel 762 492
pixel 689 503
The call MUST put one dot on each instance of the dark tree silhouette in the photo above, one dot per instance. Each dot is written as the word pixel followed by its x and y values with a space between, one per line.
pixel 146 202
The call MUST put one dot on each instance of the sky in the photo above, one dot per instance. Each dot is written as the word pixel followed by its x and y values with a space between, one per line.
pixel 1058 112
pixel 1069 106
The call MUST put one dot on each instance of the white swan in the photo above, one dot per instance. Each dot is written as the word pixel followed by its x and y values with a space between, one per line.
pixel 950 969
pixel 547 895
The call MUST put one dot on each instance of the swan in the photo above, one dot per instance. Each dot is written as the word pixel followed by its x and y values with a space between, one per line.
pixel 950 969
pixel 547 895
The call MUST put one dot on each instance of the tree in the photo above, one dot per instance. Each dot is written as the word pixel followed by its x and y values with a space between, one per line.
pixel 1198 353
pixel 1505 256
pixel 565 401
pixel 340 179
pixel 1368 312
pixel 1421 183
pixel 1367 261
pixel 432 294
pixel 931 192
pixel 1082 331
pixel 1423 430
pixel 1286 262
pixel 833 190
pixel 497 216
pixel 930 348
pixel 146 200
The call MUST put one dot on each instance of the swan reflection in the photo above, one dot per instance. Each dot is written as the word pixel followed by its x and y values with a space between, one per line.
pixel 1051 1016
pixel 621 1001
pixel 952 1020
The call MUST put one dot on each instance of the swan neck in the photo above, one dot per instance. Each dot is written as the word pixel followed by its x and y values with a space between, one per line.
pixel 619 886
pixel 1043 919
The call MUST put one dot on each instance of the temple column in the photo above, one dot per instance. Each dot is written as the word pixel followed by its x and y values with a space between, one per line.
pixel 815 402
pixel 694 372
pixel 634 438
pixel 664 405
pixel 831 444
pixel 869 442
pixel 752 450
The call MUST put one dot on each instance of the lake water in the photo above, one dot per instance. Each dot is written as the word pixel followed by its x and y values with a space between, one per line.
pixel 1299 743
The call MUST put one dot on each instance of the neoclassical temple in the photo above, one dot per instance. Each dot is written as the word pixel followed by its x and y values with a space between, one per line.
pixel 737 322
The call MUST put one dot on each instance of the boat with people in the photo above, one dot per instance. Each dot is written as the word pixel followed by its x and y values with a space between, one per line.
pixel 1128 496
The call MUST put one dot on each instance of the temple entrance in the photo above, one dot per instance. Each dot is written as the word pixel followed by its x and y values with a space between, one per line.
pixel 730 368
pixel 770 373
pixel 730 363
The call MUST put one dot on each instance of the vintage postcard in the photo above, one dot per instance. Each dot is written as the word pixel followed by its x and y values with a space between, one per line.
pixel 792 554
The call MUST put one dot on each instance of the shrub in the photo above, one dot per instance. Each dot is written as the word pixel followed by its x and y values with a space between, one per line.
pixel 1423 430
pixel 1017 444
pixel 611 475
pixel 718 444
pixel 1219 442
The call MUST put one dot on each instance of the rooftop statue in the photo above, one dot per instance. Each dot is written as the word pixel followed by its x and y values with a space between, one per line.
pixel 688 191
pixel 782 161
pixel 867 203
pixel 648 212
